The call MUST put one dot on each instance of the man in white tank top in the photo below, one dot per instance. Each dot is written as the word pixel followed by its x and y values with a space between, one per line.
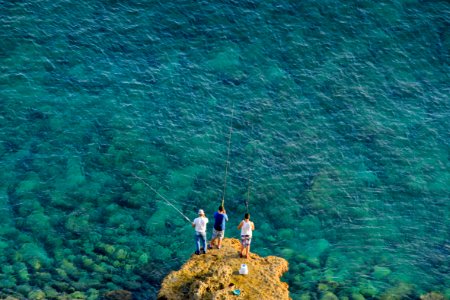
pixel 246 226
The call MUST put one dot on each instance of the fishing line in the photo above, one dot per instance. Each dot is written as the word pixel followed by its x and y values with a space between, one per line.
pixel 162 197
pixel 249 180
pixel 248 193
pixel 228 156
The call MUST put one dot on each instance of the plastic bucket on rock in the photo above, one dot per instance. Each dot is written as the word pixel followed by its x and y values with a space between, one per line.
pixel 243 270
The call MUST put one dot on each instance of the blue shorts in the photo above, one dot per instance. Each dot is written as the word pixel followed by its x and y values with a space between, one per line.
pixel 246 240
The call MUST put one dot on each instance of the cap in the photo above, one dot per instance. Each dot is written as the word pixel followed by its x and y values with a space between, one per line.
pixel 201 212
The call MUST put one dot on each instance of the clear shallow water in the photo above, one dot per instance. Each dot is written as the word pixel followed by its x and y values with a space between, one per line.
pixel 340 121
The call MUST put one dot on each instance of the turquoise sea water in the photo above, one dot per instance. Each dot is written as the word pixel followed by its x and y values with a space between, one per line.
pixel 340 125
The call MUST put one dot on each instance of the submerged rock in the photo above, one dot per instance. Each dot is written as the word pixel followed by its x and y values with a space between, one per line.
pixel 380 272
pixel 36 295
pixel 329 296
pixel 432 296
pixel 118 295
pixel 400 291
pixel 357 296
pixel 215 275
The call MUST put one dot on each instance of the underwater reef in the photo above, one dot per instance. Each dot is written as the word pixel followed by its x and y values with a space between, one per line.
pixel 339 149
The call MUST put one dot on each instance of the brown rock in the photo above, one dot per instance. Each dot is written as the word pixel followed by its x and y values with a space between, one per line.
pixel 216 274
pixel 119 295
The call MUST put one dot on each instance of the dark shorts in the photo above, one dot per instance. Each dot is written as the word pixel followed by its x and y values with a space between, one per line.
pixel 246 240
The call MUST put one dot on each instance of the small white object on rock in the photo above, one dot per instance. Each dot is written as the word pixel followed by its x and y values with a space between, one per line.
pixel 243 270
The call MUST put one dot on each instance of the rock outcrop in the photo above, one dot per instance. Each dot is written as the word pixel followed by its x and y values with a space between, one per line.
pixel 215 275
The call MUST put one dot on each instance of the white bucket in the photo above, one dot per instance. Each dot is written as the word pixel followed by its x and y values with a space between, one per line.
pixel 243 270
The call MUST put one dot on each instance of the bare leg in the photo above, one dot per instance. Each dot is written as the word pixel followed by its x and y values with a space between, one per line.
pixel 248 251
pixel 219 243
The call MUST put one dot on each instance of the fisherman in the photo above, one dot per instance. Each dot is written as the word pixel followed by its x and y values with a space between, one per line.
pixel 220 217
pixel 200 231
pixel 246 226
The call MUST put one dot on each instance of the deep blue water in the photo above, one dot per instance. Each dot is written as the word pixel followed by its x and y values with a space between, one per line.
pixel 340 142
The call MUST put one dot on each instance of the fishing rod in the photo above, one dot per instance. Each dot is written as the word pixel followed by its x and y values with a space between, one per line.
pixel 162 197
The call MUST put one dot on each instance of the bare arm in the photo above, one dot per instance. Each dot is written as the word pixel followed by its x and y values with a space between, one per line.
pixel 253 226
pixel 240 225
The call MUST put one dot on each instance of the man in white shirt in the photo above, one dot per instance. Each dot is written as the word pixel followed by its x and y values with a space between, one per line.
pixel 200 231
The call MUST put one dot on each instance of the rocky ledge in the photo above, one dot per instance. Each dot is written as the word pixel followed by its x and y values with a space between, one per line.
pixel 215 275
